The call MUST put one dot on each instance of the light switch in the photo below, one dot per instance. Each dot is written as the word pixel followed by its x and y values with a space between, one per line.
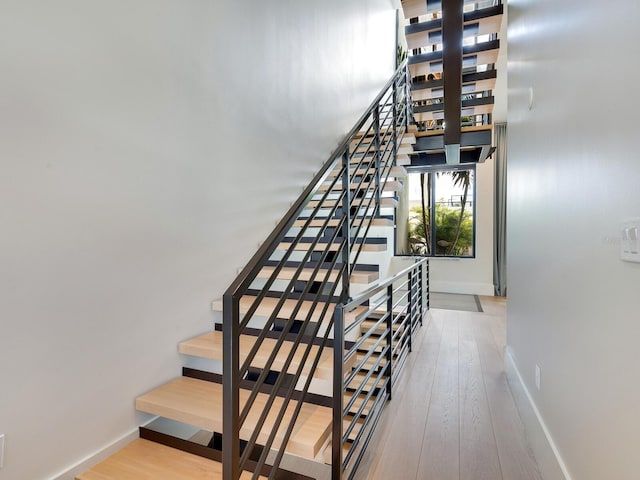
pixel 630 245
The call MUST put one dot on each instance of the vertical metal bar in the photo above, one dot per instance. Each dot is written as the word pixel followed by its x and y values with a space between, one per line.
pixel 394 135
pixel 231 388
pixel 411 305
pixel 428 289
pixel 389 336
pixel 407 98
pixel 346 226
pixel 421 291
pixel 338 393
pixel 376 156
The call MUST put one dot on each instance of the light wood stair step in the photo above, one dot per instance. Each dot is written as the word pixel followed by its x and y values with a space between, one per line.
pixel 199 403
pixel 209 345
pixel 362 277
pixel 143 459
pixel 358 202
pixel 334 246
pixel 268 304
pixel 394 171
pixel 389 186
pixel 369 384
pixel 367 325
pixel 334 222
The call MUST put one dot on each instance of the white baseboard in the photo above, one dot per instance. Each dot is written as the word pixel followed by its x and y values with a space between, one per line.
pixel 550 463
pixel 461 287
pixel 92 459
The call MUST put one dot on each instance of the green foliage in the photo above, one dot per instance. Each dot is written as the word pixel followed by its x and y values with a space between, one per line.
pixel 446 227
pixel 401 55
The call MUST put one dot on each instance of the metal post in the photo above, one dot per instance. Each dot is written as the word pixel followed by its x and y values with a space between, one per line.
pixel 338 393
pixel 411 306
pixel 346 226
pixel 231 388
pixel 389 337
pixel 427 284
pixel 421 292
pixel 376 154
pixel 407 99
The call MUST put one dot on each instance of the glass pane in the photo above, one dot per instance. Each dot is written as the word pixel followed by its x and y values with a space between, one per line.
pixel 454 196
pixel 419 207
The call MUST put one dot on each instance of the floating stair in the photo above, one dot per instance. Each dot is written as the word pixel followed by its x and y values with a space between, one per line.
pixel 368 245
pixel 268 304
pixel 334 222
pixel 389 186
pixel 142 459
pixel 209 345
pixel 357 276
pixel 199 403
pixel 394 172
pixel 360 202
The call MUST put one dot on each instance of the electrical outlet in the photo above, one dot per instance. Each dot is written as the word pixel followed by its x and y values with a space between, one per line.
pixel 1 450
pixel 537 377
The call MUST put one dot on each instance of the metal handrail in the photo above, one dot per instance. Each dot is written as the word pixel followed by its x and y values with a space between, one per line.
pixel 398 310
pixel 342 212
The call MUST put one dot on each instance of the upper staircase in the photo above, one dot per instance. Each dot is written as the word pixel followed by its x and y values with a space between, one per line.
pixel 308 341
pixel 452 86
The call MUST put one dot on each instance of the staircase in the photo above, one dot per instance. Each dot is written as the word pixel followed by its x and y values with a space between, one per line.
pixel 308 341
pixel 452 86
pixel 312 335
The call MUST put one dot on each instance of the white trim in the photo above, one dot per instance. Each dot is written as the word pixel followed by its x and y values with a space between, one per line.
pixel 70 473
pixel 548 456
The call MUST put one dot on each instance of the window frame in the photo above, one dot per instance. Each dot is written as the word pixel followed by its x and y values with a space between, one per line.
pixel 438 169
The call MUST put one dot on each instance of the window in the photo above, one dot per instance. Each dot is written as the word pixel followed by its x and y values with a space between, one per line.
pixel 437 209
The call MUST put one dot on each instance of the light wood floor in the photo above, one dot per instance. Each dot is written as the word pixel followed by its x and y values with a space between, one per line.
pixel 452 415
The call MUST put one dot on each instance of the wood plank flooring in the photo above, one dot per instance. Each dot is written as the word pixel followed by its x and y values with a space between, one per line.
pixel 453 414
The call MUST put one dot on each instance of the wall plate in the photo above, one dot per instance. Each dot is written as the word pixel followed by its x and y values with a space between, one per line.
pixel 630 243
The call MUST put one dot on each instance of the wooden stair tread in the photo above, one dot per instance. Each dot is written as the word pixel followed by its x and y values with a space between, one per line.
pixel 199 403
pixel 146 460
pixel 394 171
pixel 389 186
pixel 287 273
pixel 329 203
pixel 268 304
pixel 209 345
pixel 334 222
pixel 332 247
pixel 367 325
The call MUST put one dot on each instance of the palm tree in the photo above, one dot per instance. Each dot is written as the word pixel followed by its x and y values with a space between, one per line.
pixel 460 178
pixel 425 224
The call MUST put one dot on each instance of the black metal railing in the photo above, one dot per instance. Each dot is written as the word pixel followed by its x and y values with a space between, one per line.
pixel 385 327
pixel 288 291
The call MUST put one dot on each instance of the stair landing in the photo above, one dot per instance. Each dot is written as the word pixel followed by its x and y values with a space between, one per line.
pixel 145 460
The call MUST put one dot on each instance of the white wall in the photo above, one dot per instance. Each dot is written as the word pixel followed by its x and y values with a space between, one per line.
pixel 573 177
pixel 146 148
